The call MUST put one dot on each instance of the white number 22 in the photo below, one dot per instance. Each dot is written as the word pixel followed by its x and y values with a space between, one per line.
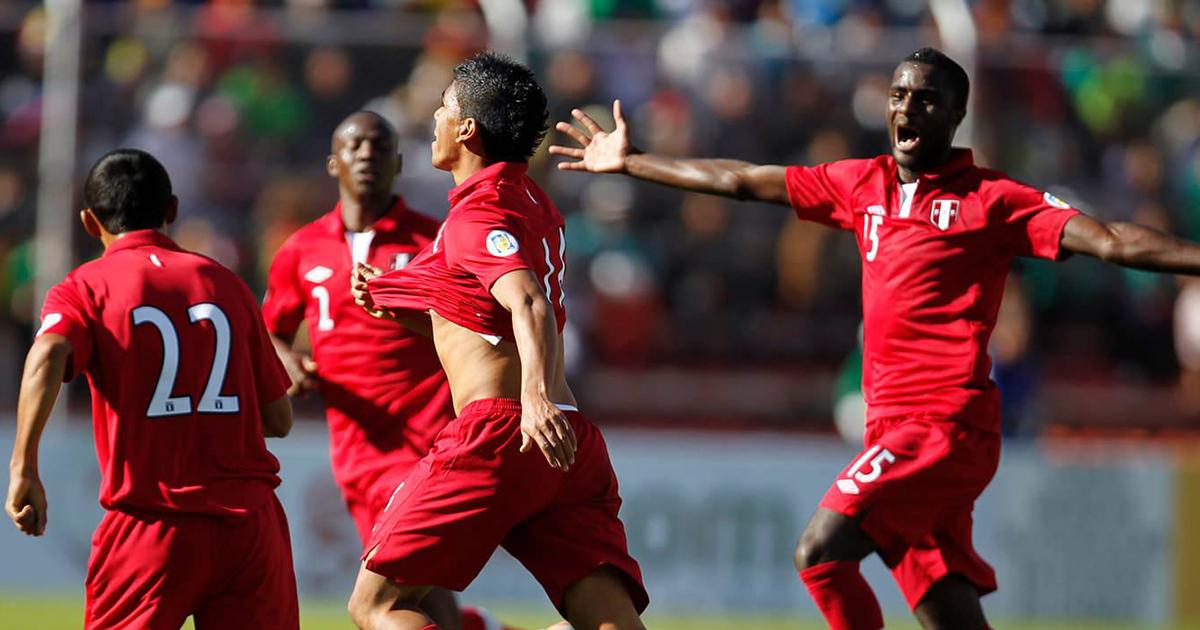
pixel 871 223
pixel 162 403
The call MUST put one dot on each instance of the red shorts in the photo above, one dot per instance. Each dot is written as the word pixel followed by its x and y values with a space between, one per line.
pixel 155 571
pixel 475 492
pixel 366 501
pixel 912 492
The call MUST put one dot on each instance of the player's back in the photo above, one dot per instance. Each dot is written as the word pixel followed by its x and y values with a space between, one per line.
pixel 179 364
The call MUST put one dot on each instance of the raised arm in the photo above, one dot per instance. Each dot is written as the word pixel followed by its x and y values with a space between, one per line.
pixel 601 151
pixel 1131 245
pixel 536 335
pixel 44 368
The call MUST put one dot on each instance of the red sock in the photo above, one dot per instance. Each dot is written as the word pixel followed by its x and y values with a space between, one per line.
pixel 843 596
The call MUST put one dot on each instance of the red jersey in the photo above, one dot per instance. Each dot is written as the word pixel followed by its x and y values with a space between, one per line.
pixel 383 386
pixel 500 221
pixel 933 273
pixel 179 364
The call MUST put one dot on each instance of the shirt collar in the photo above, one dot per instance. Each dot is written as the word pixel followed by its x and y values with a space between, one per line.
pixel 497 171
pixel 389 222
pixel 141 238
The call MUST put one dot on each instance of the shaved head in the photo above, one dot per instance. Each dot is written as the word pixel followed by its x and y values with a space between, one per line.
pixel 364 118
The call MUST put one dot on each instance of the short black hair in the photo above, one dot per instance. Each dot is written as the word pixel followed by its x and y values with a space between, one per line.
pixel 128 190
pixel 506 102
pixel 955 75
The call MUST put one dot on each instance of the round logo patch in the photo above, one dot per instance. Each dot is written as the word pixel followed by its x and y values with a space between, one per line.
pixel 1055 201
pixel 501 243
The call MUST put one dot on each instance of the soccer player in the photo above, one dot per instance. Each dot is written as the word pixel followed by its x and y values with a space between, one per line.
pixel 185 385
pixel 489 289
pixel 385 394
pixel 937 236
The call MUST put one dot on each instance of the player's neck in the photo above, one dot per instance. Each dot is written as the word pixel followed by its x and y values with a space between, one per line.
pixel 467 165
pixel 358 215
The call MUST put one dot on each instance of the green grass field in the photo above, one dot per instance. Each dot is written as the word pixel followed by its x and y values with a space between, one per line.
pixel 39 613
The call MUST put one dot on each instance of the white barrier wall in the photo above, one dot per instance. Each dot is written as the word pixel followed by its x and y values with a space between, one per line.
pixel 713 520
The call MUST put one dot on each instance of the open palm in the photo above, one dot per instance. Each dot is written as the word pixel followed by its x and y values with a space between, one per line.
pixel 600 151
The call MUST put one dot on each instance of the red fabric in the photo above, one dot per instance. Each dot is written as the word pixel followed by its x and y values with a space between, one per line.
pixel 385 394
pixel 844 597
pixel 930 295
pixel 913 490
pixel 189 458
pixel 154 571
pixel 500 221
pixel 432 626
pixel 475 491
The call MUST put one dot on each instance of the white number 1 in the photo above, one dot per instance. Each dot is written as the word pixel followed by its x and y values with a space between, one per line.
pixel 871 223
pixel 322 294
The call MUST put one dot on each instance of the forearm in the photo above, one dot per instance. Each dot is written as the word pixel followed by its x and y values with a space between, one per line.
pixel 1141 247
pixel 40 384
pixel 536 335
pixel 714 177
pixel 282 344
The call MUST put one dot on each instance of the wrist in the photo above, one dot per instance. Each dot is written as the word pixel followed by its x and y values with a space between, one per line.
pixel 22 468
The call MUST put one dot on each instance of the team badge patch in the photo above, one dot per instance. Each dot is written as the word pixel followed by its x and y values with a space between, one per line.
pixel 399 261
pixel 943 212
pixel 318 274
pixel 501 243
pixel 1055 201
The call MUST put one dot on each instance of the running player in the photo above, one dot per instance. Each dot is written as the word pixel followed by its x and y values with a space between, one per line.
pixel 185 385
pixel 490 290
pixel 385 394
pixel 937 236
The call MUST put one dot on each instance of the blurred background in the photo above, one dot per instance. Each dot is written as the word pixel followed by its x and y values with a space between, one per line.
pixel 726 327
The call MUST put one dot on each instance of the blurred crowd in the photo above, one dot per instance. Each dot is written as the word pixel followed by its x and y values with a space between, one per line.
pixel 1095 100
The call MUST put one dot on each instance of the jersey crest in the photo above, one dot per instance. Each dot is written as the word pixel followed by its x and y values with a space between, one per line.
pixel 943 212
pixel 501 243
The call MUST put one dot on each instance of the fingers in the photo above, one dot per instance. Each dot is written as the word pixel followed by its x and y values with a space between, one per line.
pixel 526 442
pixel 586 121
pixel 41 520
pixel 572 166
pixel 565 439
pixel 308 365
pixel 574 132
pixel 27 521
pixel 570 152
pixel 618 116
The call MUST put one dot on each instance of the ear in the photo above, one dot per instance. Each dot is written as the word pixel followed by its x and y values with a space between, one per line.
pixel 172 211
pixel 467 130
pixel 91 224
pixel 331 165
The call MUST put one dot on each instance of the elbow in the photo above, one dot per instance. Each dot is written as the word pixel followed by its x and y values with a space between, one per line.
pixel 277 418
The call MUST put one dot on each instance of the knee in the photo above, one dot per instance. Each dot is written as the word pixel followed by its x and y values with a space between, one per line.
pixel 361 609
pixel 811 550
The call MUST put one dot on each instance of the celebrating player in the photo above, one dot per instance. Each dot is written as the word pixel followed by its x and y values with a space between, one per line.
pixel 385 394
pixel 937 236
pixel 185 385
pixel 492 285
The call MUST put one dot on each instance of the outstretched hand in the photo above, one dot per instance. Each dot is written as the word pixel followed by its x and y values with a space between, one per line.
pixel 599 151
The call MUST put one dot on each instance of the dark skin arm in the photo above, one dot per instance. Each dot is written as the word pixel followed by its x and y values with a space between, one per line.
pixel 602 151
pixel 300 367
pixel 277 417
pixel 1131 245
pixel 40 383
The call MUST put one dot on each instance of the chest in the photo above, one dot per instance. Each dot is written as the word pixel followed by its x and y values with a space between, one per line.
pixel 904 230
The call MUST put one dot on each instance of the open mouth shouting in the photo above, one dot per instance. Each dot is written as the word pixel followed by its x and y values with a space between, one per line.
pixel 907 138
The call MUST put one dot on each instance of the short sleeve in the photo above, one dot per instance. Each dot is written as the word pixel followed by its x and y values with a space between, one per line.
pixel 1034 221
pixel 821 193
pixel 65 313
pixel 271 380
pixel 485 244
pixel 283 305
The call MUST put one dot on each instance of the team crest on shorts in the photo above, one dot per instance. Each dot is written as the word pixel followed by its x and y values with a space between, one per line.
pixel 943 212
pixel 501 243
pixel 399 261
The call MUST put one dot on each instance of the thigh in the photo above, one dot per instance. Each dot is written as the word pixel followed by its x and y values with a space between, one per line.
pixel 947 551
pixel 580 530
pixel 145 573
pixel 259 583
pixel 911 477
